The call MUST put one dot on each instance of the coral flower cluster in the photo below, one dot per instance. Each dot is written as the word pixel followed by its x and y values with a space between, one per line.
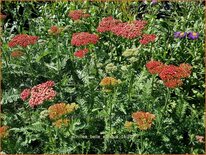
pixel 84 38
pixel 57 111
pixel 147 38
pixel 39 93
pixel 143 119
pixel 3 131
pixel 170 74
pixel 129 30
pixel 78 14
pixel 81 53
pixel 23 40
pixel 54 30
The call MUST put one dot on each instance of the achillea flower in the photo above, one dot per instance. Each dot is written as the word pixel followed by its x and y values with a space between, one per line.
pixel 186 70
pixel 110 68
pixel 78 14
pixel 147 38
pixel 40 93
pixel 199 139
pixel 109 81
pixel 2 16
pixel 143 119
pixel 107 24
pixel 23 40
pixel 84 38
pixel 193 35
pixel 173 83
pixel 3 131
pixel 17 53
pixel 25 94
pixel 128 125
pixel 54 30
pixel 129 30
pixel 81 53
pixel 130 52
pixel 44 114
pixel 170 72
pixel 180 34
pixel 61 123
pixel 58 110
pixel 154 67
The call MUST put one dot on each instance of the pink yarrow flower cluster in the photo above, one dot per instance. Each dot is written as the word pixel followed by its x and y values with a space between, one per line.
pixel 78 14
pixel 84 38
pixel 129 30
pixel 39 93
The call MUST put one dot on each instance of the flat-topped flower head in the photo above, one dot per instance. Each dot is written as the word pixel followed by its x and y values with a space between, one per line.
pixel 54 30
pixel 109 81
pixel 23 40
pixel 25 94
pixel 130 52
pixel 129 30
pixel 61 123
pixel 186 70
pixel 58 110
pixel 193 35
pixel 180 34
pixel 107 24
pixel 16 54
pixel 147 38
pixel 143 119
pixel 154 67
pixel 78 14
pixel 81 53
pixel 84 38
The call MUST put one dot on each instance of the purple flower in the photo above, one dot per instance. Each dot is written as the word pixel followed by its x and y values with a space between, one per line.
pixel 193 35
pixel 180 34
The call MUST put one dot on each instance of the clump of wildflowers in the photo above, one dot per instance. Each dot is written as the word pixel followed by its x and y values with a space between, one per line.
pixel 170 74
pixel 81 53
pixel 40 93
pixel 23 40
pixel 84 38
pixel 110 68
pixel 108 83
pixel 147 38
pixel 61 122
pixel 78 14
pixel 143 119
pixel 128 125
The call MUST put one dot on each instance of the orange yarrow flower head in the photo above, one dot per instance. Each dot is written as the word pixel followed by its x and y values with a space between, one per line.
pixel 143 119
pixel 108 83
pixel 4 131
pixel 61 122
pixel 58 110
pixel 54 30
pixel 128 125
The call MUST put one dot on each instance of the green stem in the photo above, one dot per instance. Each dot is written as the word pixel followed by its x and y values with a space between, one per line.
pixel 167 99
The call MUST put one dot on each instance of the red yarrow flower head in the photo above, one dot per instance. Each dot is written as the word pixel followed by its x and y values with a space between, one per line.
pixel 54 30
pixel 107 24
pixel 154 67
pixel 129 30
pixel 78 14
pixel 84 38
pixel 173 83
pixel 147 38
pixel 170 72
pixel 143 119
pixel 25 94
pixel 23 40
pixel 81 53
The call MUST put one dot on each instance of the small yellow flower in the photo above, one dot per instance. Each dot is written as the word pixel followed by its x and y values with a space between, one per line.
pixel 109 81
pixel 110 68
pixel 130 52
pixel 128 125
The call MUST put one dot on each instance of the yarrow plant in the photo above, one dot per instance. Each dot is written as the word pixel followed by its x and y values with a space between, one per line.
pixel 78 14
pixel 81 53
